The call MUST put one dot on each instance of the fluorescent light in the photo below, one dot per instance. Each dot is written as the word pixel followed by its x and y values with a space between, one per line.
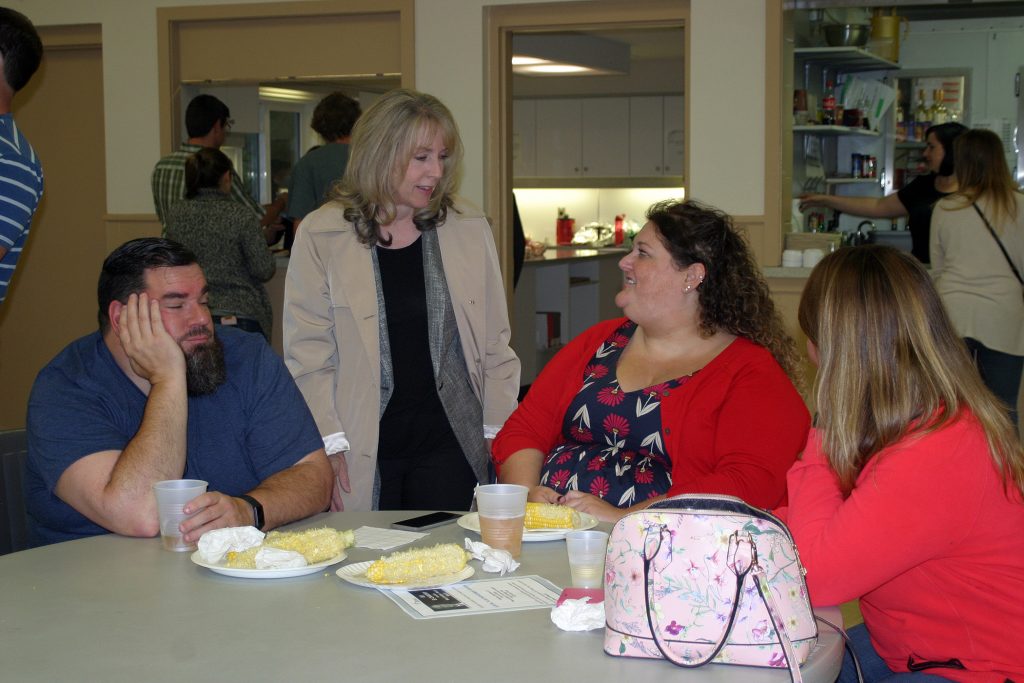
pixel 555 54
pixel 286 95
pixel 554 69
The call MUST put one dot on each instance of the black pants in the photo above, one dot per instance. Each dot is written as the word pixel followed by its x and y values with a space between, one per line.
pixel 1000 371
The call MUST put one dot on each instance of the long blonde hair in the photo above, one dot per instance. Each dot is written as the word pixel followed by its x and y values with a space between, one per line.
pixel 384 140
pixel 891 363
pixel 983 176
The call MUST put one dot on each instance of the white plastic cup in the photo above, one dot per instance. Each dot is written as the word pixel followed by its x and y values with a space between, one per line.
pixel 811 257
pixel 171 497
pixel 502 509
pixel 792 258
pixel 586 557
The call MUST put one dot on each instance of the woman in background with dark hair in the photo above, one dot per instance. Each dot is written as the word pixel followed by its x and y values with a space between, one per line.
pixel 691 392
pixel 908 495
pixel 915 201
pixel 973 275
pixel 228 241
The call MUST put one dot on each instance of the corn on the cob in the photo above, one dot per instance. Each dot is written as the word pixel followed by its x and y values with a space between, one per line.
pixel 316 545
pixel 244 559
pixel 547 516
pixel 418 564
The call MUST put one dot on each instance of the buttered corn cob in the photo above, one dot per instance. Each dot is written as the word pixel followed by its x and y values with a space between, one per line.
pixel 547 516
pixel 316 545
pixel 418 564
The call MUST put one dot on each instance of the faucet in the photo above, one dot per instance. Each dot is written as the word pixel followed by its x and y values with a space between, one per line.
pixel 860 237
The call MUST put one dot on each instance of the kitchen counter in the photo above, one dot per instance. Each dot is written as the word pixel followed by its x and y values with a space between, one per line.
pixel 567 253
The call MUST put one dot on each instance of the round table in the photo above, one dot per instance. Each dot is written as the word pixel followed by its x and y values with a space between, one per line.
pixel 111 608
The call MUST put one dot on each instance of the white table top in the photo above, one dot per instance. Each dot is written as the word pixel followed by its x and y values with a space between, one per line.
pixel 114 609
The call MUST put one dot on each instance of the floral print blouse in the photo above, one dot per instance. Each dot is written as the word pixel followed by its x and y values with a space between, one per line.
pixel 612 441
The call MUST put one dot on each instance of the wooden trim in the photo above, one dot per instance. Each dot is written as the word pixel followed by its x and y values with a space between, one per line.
pixel 499 24
pixel 774 177
pixel 169 18
pixel 71 36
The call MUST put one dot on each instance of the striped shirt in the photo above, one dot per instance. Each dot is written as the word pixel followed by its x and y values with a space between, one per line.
pixel 169 184
pixel 21 187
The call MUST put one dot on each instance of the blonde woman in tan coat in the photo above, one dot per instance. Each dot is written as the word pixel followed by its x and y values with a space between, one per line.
pixel 395 323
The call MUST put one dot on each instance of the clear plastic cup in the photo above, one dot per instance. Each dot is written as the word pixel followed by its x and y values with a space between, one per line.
pixel 171 497
pixel 586 557
pixel 502 509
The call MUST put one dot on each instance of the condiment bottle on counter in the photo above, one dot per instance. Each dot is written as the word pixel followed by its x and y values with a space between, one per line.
pixel 620 233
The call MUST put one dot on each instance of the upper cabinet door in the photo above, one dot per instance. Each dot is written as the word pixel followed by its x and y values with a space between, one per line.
pixel 673 135
pixel 559 143
pixel 605 136
pixel 646 146
pixel 524 138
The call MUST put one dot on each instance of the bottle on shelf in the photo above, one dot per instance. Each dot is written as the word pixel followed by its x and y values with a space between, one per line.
pixel 828 105
pixel 922 117
pixel 901 121
pixel 939 113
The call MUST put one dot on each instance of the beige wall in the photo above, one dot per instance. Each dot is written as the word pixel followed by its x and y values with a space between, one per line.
pixel 53 296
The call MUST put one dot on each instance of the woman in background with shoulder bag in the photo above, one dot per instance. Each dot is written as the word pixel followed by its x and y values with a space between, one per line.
pixel 977 255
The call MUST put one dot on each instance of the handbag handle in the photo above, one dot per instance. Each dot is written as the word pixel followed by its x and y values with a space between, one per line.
pixel 762 588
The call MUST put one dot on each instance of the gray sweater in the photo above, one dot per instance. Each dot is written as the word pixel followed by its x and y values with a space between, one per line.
pixel 232 251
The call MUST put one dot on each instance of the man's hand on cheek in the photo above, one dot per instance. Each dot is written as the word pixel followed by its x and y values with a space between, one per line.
pixel 154 354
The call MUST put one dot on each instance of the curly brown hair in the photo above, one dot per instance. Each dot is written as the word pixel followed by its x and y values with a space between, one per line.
pixel 733 297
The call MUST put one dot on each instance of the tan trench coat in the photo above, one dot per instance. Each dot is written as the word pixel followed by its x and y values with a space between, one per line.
pixel 331 333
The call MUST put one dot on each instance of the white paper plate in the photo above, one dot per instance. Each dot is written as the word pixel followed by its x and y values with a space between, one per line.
pixel 268 573
pixel 356 573
pixel 472 523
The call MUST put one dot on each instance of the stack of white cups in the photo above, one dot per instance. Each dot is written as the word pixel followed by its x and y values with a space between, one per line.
pixel 792 258
pixel 811 257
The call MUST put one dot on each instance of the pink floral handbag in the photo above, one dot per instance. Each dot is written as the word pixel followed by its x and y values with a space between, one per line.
pixel 707 578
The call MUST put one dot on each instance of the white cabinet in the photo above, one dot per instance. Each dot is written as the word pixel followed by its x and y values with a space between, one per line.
pixel 524 138
pixel 584 137
pixel 559 143
pixel 613 138
pixel 656 136
pixel 605 136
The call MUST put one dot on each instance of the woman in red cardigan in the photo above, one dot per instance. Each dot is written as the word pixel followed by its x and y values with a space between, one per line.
pixel 691 392
pixel 909 493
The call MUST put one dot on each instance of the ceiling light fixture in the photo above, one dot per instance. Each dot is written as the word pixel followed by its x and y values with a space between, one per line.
pixel 560 54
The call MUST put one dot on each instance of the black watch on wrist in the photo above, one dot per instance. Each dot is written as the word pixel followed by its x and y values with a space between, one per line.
pixel 257 511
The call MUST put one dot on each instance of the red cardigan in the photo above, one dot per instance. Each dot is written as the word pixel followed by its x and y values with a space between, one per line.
pixel 929 542
pixel 735 427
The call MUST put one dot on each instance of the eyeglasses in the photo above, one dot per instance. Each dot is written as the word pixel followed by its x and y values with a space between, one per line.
pixel 228 124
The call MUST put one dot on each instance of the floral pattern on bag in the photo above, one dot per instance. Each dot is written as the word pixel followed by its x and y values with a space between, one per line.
pixel 693 588
pixel 612 442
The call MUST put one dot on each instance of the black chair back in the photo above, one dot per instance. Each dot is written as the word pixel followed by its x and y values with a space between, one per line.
pixel 13 519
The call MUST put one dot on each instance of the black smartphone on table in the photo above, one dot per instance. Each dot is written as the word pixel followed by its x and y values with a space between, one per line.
pixel 429 521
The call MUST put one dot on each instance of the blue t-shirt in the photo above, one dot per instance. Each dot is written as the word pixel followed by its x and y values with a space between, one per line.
pixel 253 426
pixel 21 187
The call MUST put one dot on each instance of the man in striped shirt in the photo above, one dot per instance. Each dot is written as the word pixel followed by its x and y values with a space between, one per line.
pixel 207 121
pixel 21 176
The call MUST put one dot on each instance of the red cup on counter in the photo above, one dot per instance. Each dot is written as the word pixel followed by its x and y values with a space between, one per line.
pixel 564 229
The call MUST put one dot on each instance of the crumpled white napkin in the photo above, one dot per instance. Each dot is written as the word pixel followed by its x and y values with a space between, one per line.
pixel 494 559
pixel 578 615
pixel 275 558
pixel 215 544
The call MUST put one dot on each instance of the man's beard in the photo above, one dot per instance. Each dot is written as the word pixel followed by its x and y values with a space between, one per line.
pixel 204 368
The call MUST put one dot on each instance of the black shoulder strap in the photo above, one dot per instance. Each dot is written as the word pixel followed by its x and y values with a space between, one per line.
pixel 999 242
